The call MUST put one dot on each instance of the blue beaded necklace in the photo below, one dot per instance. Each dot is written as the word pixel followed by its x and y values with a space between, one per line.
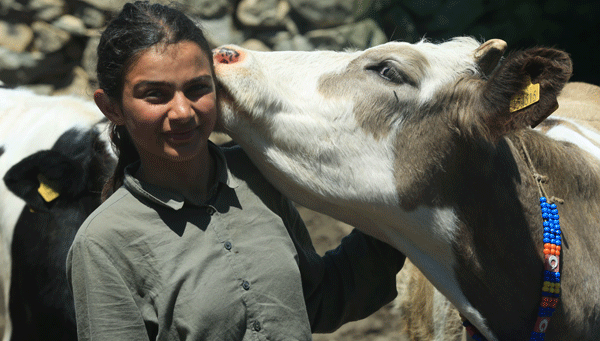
pixel 552 248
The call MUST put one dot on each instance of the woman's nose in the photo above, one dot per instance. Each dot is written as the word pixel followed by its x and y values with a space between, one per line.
pixel 181 107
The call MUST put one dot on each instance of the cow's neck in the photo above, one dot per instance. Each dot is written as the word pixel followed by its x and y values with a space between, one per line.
pixel 498 264
pixel 499 248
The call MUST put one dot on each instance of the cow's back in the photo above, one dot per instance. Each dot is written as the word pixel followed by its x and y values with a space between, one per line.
pixel 581 102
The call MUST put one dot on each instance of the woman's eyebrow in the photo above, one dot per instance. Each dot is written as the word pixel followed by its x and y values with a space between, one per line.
pixel 203 78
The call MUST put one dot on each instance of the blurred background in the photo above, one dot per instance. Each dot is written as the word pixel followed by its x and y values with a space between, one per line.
pixel 49 45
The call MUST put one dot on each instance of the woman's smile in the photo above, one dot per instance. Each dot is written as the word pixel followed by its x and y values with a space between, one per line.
pixel 182 135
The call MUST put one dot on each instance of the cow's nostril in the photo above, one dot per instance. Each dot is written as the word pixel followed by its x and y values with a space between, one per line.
pixel 225 55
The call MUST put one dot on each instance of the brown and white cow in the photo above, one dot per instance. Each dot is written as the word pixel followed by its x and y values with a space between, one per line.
pixel 415 144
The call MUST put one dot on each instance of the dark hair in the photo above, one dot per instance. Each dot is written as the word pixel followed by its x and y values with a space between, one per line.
pixel 139 26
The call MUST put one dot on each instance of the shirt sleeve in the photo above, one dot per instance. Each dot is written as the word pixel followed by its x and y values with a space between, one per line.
pixel 348 283
pixel 104 306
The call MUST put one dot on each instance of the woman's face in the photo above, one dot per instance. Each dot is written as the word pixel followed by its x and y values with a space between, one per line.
pixel 169 102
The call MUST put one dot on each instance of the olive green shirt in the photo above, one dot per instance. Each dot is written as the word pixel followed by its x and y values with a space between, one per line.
pixel 148 265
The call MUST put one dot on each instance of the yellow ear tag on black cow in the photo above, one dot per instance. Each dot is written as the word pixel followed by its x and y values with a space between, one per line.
pixel 529 95
pixel 48 190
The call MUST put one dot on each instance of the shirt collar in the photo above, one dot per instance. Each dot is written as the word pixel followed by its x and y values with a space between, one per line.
pixel 172 199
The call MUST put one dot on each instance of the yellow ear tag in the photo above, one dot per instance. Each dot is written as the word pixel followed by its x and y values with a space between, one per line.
pixel 48 190
pixel 529 95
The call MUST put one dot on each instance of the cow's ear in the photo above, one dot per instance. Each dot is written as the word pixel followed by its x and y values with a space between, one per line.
pixel 41 178
pixel 522 91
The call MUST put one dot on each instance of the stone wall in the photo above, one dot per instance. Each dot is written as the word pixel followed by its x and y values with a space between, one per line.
pixel 49 45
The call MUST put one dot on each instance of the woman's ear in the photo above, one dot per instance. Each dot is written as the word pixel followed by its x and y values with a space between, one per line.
pixel 109 108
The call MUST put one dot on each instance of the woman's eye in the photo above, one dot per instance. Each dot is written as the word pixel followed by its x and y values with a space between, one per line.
pixel 197 91
pixel 154 94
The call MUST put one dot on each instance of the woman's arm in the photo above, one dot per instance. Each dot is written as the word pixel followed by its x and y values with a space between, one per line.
pixel 348 283
pixel 104 306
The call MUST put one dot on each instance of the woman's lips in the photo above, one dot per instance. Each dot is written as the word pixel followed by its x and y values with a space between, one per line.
pixel 183 135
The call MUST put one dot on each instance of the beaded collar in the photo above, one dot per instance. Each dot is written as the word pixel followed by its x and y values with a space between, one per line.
pixel 552 240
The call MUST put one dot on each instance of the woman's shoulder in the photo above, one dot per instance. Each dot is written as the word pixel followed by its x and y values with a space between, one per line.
pixel 235 156
pixel 113 214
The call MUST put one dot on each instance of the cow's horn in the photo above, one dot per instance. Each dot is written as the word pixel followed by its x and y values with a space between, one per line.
pixel 488 55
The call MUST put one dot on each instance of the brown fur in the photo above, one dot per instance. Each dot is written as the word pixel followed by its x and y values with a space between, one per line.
pixel 383 109
pixel 492 188
pixel 464 151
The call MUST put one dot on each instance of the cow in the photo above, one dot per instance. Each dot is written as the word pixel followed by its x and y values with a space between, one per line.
pixel 55 160
pixel 429 147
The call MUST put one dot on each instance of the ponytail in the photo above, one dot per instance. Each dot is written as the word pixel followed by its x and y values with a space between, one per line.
pixel 126 155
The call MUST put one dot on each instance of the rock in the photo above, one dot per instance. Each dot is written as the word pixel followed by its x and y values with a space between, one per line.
pixel 71 24
pixel 221 31
pixel 329 13
pixel 91 16
pixel 79 85
pixel 265 13
pixel 207 9
pixel 11 60
pixel 25 68
pixel 48 38
pixel 107 5
pixel 255 45
pixel 361 35
pixel 293 43
pixel 47 10
pixel 90 58
pixel 15 37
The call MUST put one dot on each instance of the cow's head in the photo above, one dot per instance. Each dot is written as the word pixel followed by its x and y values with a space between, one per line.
pixel 76 166
pixel 352 124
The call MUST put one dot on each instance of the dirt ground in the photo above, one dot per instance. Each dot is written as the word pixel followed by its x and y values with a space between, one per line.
pixel 383 325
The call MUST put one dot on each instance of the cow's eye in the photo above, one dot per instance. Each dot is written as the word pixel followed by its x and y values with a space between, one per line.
pixel 389 73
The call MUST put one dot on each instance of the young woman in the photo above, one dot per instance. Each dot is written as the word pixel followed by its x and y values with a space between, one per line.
pixel 192 242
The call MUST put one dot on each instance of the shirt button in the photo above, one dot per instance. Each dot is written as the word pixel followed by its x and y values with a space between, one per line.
pixel 246 285
pixel 256 325
pixel 227 246
pixel 210 210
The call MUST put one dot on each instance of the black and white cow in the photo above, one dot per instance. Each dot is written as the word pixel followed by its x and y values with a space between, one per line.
pixel 56 158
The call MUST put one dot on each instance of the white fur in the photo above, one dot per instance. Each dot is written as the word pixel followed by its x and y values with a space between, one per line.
pixel 585 138
pixel 446 61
